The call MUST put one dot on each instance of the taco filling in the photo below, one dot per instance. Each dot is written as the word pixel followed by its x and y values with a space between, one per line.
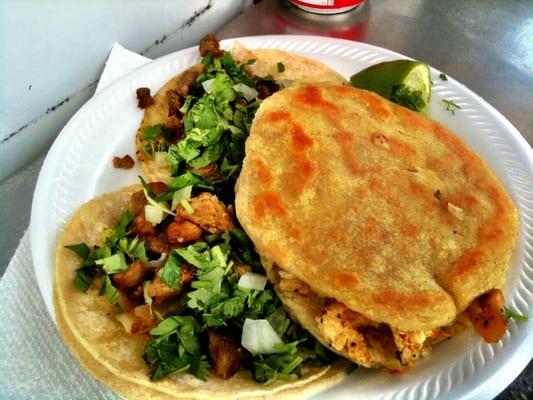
pixel 198 122
pixel 179 270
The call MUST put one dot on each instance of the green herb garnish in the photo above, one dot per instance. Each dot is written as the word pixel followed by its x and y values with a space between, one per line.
pixel 443 77
pixel 281 67
pixel 510 314
pixel 451 106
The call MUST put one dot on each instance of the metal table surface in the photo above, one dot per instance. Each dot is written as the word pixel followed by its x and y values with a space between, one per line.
pixel 486 44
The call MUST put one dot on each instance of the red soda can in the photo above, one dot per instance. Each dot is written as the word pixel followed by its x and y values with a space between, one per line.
pixel 327 6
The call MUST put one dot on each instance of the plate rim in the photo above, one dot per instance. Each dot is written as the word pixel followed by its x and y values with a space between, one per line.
pixel 518 359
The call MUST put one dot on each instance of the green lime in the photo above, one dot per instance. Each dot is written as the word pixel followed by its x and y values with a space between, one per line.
pixel 405 82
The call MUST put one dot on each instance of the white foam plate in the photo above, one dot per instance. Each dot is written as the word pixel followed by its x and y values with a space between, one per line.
pixel 78 167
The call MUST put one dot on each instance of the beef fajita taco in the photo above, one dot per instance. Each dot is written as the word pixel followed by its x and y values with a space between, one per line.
pixel 160 295
pixel 381 231
pixel 200 119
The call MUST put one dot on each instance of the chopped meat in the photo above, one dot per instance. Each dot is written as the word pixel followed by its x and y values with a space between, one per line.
pixel 210 172
pixel 125 162
pixel 142 227
pixel 143 319
pixel 138 201
pixel 186 80
pixel 158 244
pixel 174 125
pixel 132 277
pixel 486 314
pixel 158 187
pixel 242 269
pixel 210 44
pixel 183 231
pixel 266 88
pixel 372 344
pixel 144 99
pixel 175 101
pixel 161 292
pixel 409 344
pixel 289 283
pixel 209 213
pixel 187 273
pixel 294 285
pixel 227 357
pixel 136 293
pixel 336 328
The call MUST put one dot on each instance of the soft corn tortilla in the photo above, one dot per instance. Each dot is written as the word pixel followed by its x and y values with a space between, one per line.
pixel 373 205
pixel 297 69
pixel 113 356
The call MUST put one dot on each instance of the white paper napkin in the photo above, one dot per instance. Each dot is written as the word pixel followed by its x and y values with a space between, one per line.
pixel 34 361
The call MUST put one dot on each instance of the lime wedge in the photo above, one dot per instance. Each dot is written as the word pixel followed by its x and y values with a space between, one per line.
pixel 406 82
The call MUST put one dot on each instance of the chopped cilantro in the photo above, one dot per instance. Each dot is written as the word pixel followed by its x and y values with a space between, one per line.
pixel 113 264
pixel 171 272
pixel 451 106
pixel 84 277
pixel 107 288
pixel 176 348
pixel 81 250
pixel 152 132
pixel 443 77
pixel 510 314
pixel 281 67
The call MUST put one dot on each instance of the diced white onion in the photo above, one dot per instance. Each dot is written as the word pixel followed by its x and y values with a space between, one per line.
pixel 258 336
pixel 179 195
pixel 251 280
pixel 156 263
pixel 248 92
pixel 126 319
pixel 159 158
pixel 153 214
pixel 207 85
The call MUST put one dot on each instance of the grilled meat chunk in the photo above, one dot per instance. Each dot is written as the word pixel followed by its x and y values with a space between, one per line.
pixel 486 314
pixel 182 231
pixel 227 357
pixel 131 278
pixel 144 99
pixel 143 319
pixel 209 213
pixel 210 44
pixel 125 162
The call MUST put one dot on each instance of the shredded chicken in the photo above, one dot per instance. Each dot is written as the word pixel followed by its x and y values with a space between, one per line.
pixel 372 344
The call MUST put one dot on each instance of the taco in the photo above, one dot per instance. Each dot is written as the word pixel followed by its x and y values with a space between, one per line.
pixel 160 295
pixel 199 120
pixel 379 228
